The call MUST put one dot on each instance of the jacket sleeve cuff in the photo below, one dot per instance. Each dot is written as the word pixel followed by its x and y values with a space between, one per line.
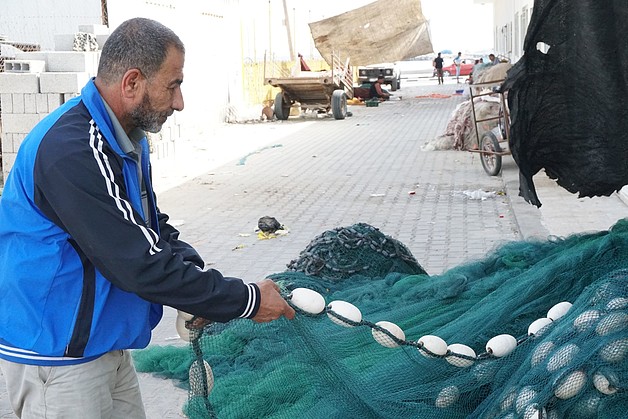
pixel 252 305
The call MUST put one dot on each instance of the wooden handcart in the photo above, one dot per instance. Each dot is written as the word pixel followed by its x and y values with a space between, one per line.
pixel 323 91
pixel 493 144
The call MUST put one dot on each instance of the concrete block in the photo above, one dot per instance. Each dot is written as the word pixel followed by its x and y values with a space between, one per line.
pixel 95 29
pixel 73 61
pixel 7 142
pixel 8 160
pixel 43 116
pixel 15 123
pixel 68 96
pixel 41 103
pixel 54 101
pixel 62 82
pixel 18 102
pixel 6 103
pixel 18 139
pixel 24 66
pixel 64 42
pixel 101 39
pixel 32 55
pixel 19 83
pixel 30 102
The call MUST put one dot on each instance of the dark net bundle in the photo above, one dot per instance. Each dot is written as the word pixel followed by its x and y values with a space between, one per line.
pixel 312 367
pixel 359 249
pixel 569 106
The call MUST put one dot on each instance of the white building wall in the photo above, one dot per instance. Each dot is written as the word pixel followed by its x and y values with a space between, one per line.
pixel 220 36
pixel 511 19
pixel 209 60
pixel 37 21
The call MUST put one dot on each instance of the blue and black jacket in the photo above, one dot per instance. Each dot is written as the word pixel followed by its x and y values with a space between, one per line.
pixel 81 272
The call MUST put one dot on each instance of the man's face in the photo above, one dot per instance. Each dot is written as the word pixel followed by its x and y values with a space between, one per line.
pixel 162 95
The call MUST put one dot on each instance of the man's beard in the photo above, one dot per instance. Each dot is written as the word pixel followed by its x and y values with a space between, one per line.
pixel 146 118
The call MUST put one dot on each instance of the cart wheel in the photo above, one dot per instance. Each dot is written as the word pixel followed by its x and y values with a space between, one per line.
pixel 282 107
pixel 492 163
pixel 339 104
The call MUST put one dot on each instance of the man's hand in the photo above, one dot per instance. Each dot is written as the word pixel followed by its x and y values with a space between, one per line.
pixel 272 305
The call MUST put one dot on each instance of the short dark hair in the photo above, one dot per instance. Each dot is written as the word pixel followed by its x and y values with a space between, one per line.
pixel 381 76
pixel 137 43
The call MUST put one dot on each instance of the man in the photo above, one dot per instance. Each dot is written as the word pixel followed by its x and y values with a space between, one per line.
pixel 377 90
pixel 438 65
pixel 458 63
pixel 86 258
pixel 494 59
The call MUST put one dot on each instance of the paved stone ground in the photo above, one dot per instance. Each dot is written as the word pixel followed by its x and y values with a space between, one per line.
pixel 315 174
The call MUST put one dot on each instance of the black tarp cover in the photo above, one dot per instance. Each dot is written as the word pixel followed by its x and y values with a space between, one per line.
pixel 568 106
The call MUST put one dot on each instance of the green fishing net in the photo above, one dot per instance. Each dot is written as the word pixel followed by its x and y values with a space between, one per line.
pixel 332 365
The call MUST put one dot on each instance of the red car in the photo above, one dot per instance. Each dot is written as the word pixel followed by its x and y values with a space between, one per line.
pixel 465 68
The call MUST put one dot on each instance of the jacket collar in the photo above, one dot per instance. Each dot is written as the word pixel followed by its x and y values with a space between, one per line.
pixel 96 106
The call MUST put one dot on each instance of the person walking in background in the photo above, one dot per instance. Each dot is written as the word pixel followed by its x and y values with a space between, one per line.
pixel 87 259
pixel 458 63
pixel 438 65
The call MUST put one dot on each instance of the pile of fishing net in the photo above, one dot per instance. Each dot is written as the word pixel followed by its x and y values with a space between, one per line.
pixel 460 132
pixel 488 73
pixel 535 329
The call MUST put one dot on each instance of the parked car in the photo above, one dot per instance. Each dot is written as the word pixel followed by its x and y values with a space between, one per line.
pixel 415 67
pixel 465 68
pixel 369 74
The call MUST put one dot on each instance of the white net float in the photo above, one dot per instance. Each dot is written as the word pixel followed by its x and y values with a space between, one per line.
pixel 385 340
pixel 186 316
pixel 346 310
pixel 586 320
pixel 196 377
pixel 614 351
pixel 501 345
pixel 457 348
pixel 570 385
pixel 447 396
pixel 308 300
pixel 538 325
pixel 433 344
pixel 541 352
pixel 602 382
pixel 558 310
pixel 182 331
pixel 525 398
pixel 562 357
pixel 611 323
pixel 617 303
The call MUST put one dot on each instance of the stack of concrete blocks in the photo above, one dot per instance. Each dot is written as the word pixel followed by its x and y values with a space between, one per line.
pixel 33 85
pixel 36 83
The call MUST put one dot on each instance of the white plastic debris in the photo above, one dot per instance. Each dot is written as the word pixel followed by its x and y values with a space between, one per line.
pixel 479 194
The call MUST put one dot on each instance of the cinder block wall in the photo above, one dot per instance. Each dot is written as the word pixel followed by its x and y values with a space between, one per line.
pixel 36 83
pixel 30 90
